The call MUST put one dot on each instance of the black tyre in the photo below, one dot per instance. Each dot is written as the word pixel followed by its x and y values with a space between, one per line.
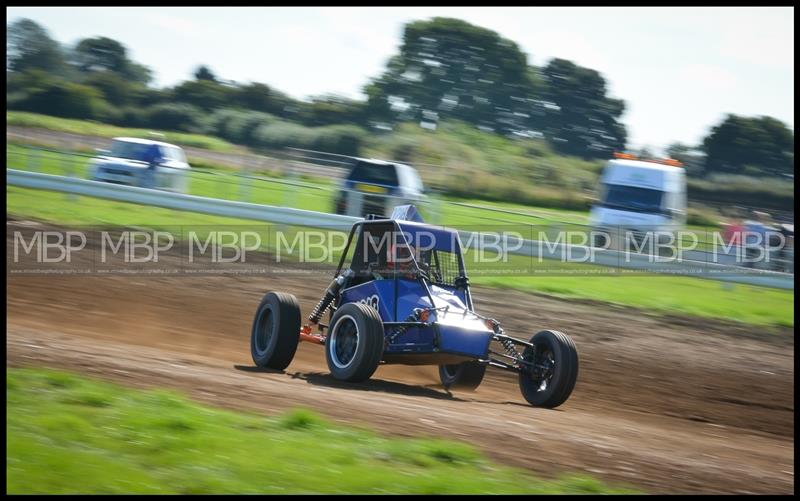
pixel 464 376
pixel 276 331
pixel 354 346
pixel 551 383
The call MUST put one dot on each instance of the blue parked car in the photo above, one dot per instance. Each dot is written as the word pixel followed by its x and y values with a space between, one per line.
pixel 142 162
pixel 405 299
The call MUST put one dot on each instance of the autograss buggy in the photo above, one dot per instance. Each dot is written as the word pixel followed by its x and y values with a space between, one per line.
pixel 405 299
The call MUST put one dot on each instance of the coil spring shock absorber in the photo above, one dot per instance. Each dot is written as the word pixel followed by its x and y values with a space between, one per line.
pixel 414 317
pixel 508 344
pixel 330 295
pixel 511 350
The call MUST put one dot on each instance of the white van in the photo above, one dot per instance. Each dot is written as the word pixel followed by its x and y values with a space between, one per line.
pixel 636 197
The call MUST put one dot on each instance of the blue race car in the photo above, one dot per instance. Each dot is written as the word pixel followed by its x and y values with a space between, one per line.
pixel 405 299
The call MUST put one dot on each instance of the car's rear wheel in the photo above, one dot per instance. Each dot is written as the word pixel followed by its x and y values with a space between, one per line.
pixel 549 377
pixel 355 342
pixel 464 376
pixel 276 331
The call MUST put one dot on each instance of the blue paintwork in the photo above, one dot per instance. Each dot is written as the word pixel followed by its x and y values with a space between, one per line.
pixel 426 236
pixel 459 331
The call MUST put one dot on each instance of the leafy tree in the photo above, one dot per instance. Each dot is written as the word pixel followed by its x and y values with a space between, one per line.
pixel 583 119
pixel 689 156
pixel 205 73
pixel 61 98
pixel 29 47
pixel 204 94
pixel 103 54
pixel 255 97
pixel 116 89
pixel 237 126
pixel 260 97
pixel 448 68
pixel 139 73
pixel 332 109
pixel 26 81
pixel 751 146
pixel 167 116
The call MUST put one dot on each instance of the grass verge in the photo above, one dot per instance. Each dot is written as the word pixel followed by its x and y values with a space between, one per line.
pixel 70 434
pixel 89 128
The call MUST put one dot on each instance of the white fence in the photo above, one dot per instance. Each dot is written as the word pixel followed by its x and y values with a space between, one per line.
pixel 300 217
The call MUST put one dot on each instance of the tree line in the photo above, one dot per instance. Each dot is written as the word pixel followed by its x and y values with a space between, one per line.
pixel 446 69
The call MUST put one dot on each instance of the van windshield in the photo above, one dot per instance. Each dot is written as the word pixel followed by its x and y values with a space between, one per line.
pixel 365 172
pixel 632 198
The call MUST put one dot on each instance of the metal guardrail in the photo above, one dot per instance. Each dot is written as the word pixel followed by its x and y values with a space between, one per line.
pixel 178 201
pixel 300 217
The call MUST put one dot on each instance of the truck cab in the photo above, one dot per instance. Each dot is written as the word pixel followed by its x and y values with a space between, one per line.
pixel 637 197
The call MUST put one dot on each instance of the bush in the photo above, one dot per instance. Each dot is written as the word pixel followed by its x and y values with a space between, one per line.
pixel 497 188
pixel 132 117
pixel 107 113
pixel 237 126
pixel 765 192
pixel 283 134
pixel 341 139
pixel 180 117
pixel 61 99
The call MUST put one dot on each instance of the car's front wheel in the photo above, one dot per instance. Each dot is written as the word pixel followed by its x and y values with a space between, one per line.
pixel 355 342
pixel 551 369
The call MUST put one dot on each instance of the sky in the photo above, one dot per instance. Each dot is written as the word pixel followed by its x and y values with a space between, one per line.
pixel 679 70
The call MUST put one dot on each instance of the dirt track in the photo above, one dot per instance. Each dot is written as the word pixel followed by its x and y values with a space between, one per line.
pixel 667 405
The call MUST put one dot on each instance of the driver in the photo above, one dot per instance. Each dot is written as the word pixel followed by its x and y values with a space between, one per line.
pixel 400 260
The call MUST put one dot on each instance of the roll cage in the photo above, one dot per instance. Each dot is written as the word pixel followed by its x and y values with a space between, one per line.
pixel 389 249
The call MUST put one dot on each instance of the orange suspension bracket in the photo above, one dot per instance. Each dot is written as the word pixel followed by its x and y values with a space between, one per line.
pixel 305 335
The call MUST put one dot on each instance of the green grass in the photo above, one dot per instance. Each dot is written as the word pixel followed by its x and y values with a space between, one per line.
pixel 660 294
pixel 70 434
pixel 89 128
pixel 666 294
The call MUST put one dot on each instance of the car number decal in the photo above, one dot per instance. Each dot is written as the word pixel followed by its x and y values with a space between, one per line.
pixel 372 301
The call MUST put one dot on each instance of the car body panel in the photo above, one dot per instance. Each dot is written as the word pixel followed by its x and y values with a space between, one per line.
pixel 143 163
pixel 454 332
pixel 374 186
